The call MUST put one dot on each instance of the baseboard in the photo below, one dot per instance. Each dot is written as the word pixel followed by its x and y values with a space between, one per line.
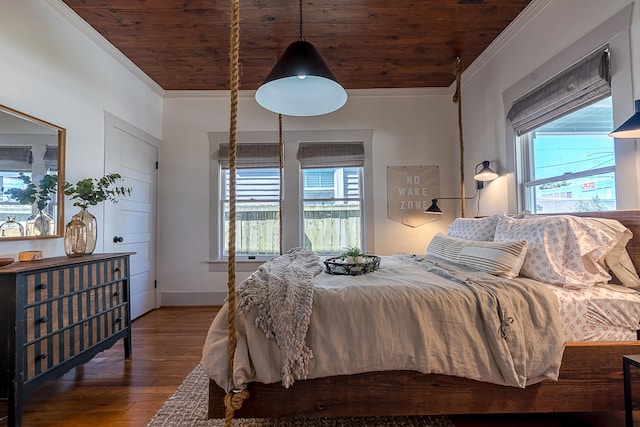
pixel 193 298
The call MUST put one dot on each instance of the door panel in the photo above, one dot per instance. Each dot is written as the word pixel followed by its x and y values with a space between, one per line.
pixel 130 224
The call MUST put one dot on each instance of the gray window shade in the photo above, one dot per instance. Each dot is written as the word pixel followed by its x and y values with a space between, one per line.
pixel 331 154
pixel 258 155
pixel 20 158
pixel 583 83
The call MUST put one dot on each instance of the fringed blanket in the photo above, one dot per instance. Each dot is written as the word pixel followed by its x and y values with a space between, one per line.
pixel 408 315
pixel 282 292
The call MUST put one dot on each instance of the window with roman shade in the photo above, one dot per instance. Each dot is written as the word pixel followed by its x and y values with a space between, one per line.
pixel 567 157
pixel 332 195
pixel 257 198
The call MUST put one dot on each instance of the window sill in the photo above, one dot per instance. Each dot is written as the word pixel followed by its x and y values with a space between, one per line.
pixel 242 265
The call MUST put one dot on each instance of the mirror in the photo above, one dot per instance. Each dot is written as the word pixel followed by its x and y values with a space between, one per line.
pixel 31 177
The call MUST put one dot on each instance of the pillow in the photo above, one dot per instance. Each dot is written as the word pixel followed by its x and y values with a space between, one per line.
pixel 562 249
pixel 499 258
pixel 617 260
pixel 474 228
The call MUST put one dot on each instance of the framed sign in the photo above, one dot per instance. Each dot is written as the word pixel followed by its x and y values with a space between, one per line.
pixel 409 192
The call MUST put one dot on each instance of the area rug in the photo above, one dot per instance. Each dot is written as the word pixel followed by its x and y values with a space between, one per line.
pixel 188 408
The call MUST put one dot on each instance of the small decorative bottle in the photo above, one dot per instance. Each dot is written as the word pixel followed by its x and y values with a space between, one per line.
pixel 75 238
pixel 40 224
pixel 11 228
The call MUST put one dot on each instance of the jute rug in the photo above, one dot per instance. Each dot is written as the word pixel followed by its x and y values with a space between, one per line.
pixel 188 408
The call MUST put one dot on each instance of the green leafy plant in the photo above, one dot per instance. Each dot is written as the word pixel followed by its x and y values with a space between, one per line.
pixel 353 251
pixel 31 193
pixel 91 191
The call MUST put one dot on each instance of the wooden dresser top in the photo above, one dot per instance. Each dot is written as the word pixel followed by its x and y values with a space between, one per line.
pixel 44 263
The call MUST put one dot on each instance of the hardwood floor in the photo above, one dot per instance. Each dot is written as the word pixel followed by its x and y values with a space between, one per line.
pixel 167 344
pixel 111 391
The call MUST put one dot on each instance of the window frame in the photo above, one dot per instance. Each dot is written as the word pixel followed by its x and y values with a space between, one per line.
pixel 360 200
pixel 525 147
pixel 292 184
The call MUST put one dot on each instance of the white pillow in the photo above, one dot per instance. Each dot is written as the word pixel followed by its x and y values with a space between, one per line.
pixel 474 228
pixel 562 250
pixel 617 259
pixel 499 258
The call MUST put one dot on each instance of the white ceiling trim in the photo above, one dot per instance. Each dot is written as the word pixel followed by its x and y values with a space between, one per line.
pixel 355 93
pixel 81 25
pixel 504 37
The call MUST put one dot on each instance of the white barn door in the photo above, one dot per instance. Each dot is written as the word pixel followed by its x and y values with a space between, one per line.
pixel 130 224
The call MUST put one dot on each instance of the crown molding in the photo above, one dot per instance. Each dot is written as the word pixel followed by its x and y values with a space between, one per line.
pixel 352 93
pixel 88 31
pixel 505 37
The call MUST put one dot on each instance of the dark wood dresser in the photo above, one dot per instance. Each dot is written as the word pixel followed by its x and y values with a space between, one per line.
pixel 55 314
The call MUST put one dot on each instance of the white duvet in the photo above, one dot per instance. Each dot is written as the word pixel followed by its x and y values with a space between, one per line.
pixel 405 317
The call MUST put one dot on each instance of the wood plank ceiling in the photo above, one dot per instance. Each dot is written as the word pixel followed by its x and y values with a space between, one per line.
pixel 184 44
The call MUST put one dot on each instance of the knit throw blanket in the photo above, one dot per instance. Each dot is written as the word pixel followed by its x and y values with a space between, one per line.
pixel 281 290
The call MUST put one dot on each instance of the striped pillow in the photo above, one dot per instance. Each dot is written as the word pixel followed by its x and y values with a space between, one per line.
pixel 499 258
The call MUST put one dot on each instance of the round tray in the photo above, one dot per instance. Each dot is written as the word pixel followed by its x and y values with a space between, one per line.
pixel 338 265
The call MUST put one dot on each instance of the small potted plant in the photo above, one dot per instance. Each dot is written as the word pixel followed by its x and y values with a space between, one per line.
pixel 89 192
pixel 353 255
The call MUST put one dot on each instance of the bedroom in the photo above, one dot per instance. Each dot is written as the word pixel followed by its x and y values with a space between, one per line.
pixel 43 76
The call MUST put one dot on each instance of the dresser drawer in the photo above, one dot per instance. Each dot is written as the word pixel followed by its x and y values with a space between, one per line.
pixel 51 284
pixel 51 349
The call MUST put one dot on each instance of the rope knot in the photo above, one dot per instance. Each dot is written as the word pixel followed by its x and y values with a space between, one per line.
pixel 232 402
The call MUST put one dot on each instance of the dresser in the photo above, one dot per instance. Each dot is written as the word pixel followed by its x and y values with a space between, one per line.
pixel 55 314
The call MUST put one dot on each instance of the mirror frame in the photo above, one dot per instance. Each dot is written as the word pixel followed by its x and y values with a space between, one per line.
pixel 62 136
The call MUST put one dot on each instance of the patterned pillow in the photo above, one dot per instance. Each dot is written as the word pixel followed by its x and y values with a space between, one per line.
pixel 562 249
pixel 474 228
pixel 499 258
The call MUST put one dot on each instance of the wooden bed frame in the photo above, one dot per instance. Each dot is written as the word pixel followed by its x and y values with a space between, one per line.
pixel 590 380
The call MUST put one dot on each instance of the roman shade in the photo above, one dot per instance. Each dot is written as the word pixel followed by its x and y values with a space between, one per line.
pixel 251 155
pixel 583 83
pixel 331 155
pixel 20 158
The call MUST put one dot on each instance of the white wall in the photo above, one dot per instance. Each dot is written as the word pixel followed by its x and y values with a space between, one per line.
pixel 553 27
pixel 410 128
pixel 52 71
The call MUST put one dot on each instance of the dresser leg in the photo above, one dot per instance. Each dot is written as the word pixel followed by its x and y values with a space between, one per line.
pixel 14 407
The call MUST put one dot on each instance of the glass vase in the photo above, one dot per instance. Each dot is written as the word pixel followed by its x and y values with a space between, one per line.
pixel 40 224
pixel 11 228
pixel 92 228
pixel 75 238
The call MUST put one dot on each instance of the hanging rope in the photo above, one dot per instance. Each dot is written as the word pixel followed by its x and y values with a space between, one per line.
pixel 233 400
pixel 281 156
pixel 457 99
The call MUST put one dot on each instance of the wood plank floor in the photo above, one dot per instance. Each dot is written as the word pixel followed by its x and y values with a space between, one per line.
pixel 167 344
pixel 111 391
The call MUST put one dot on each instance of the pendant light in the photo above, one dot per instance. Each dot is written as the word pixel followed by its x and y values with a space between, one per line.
pixel 301 83
pixel 630 128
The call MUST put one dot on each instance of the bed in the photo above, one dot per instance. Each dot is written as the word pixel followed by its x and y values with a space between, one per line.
pixel 589 377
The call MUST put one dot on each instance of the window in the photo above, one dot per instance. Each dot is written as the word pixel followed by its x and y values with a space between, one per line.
pixel 327 187
pixel 570 162
pixel 567 160
pixel 257 212
pixel 332 209
pixel 257 200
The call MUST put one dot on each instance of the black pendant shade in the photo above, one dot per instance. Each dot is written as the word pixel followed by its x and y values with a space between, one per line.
pixel 434 208
pixel 630 128
pixel 301 84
